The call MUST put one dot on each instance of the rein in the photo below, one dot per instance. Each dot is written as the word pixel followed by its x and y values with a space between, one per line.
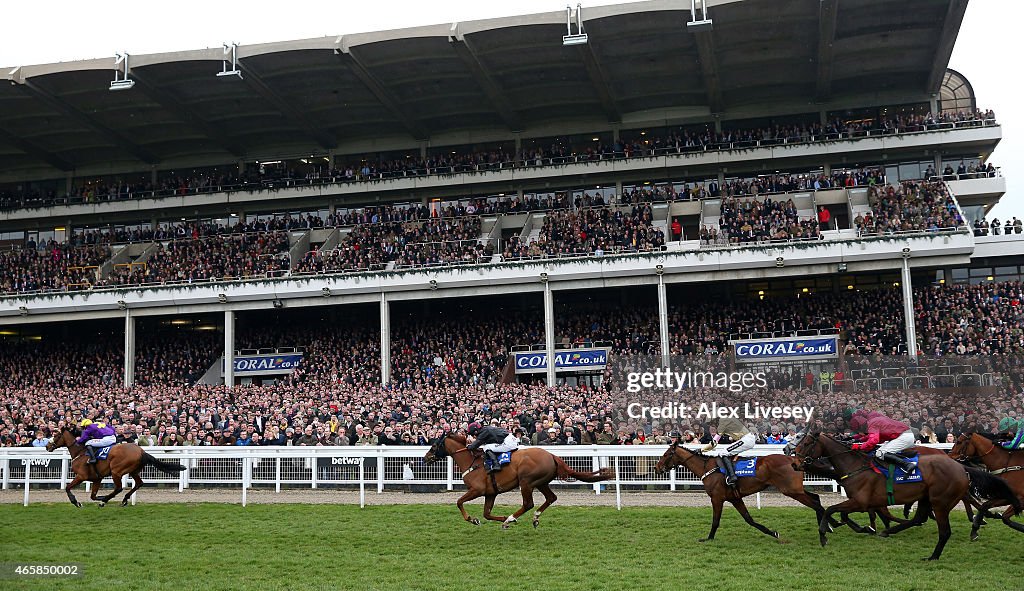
pixel 1009 454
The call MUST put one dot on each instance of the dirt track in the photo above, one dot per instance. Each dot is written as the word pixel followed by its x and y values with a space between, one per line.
pixel 390 497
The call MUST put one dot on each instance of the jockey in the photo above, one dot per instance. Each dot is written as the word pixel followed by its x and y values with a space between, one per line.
pixel 742 440
pixel 1008 439
pixel 890 436
pixel 493 440
pixel 95 436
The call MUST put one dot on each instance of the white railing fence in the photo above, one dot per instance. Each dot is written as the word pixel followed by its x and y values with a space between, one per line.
pixel 378 467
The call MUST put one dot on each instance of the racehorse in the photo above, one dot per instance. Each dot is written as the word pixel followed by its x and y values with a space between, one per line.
pixel 531 468
pixel 772 470
pixel 945 483
pixel 1009 465
pixel 123 458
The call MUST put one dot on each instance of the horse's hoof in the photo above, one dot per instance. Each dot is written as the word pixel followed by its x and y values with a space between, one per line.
pixel 536 522
pixel 830 529
pixel 775 535
pixel 103 504
pixel 77 504
pixel 824 541
pixel 124 503
pixel 475 521
pixel 702 540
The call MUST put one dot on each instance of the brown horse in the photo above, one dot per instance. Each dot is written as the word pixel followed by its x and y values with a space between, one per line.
pixel 1008 465
pixel 945 483
pixel 531 468
pixel 772 470
pixel 123 458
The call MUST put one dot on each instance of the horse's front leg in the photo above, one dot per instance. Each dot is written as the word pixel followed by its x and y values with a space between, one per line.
pixel 71 495
pixel 488 505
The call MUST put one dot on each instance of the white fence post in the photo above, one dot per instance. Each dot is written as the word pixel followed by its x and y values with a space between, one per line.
pixel 7 473
pixel 313 467
pixel 362 482
pixel 63 472
pixel 672 480
pixel 380 471
pixel 618 487
pixel 758 500
pixel 449 465
pixel 245 484
pixel 28 467
pixel 277 474
pixel 596 466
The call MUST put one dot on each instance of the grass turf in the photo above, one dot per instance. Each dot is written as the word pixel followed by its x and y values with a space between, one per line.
pixel 337 547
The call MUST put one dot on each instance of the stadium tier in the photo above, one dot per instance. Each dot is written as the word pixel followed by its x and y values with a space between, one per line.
pixel 475 222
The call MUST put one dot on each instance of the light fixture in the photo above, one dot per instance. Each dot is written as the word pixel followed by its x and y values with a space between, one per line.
pixel 326 292
pixel 121 80
pixel 278 304
pixel 23 311
pixel 579 37
pixel 699 23
pixel 760 292
pixel 660 269
pixel 222 298
pixel 123 305
pixel 804 290
pixel 433 285
pixel 906 252
pixel 543 277
pixel 234 71
pixel 849 287
pixel 841 268
pixel 780 262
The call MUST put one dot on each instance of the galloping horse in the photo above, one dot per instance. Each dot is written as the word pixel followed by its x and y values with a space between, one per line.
pixel 123 458
pixel 1008 465
pixel 945 483
pixel 772 470
pixel 531 468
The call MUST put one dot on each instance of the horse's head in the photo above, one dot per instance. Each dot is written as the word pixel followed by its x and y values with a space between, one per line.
pixel 65 438
pixel 808 448
pixel 792 443
pixel 437 451
pixel 672 457
pixel 966 448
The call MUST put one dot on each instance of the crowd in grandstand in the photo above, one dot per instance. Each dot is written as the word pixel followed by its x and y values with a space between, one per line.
pixel 754 220
pixel 983 227
pixel 50 266
pixel 909 206
pixel 447 370
pixel 268 177
pixel 590 230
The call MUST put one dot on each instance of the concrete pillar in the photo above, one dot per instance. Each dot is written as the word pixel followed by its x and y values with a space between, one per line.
pixel 154 223
pixel 721 180
pixel 518 137
pixel 152 175
pixel 618 190
pixel 385 339
pixel 241 167
pixel 129 349
pixel 663 321
pixel 938 163
pixel 826 169
pixel 423 150
pixel 615 133
pixel 549 332
pixel 908 308
pixel 229 348
pixel 823 117
pixel 718 124
pixel 933 104
pixel 69 183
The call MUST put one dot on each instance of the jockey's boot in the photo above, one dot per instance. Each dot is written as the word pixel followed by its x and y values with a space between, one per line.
pixel 492 457
pixel 725 463
pixel 91 451
pixel 906 465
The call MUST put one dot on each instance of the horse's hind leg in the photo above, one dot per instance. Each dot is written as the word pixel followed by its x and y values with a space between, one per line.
pixel 137 484
pixel 527 505
pixel 488 505
pixel 924 509
pixel 96 484
pixel 942 519
pixel 742 508
pixel 1007 518
pixel 549 498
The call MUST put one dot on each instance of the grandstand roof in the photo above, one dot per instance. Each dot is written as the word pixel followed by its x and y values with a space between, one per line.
pixel 508 74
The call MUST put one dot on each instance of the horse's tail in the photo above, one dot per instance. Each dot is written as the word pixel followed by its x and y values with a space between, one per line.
pixel 165 467
pixel 565 472
pixel 987 486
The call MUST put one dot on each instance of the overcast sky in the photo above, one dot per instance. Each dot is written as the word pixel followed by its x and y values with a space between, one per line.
pixel 38 32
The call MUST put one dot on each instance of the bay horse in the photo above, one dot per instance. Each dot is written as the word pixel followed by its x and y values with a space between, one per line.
pixel 945 483
pixel 123 458
pixel 772 470
pixel 1007 464
pixel 531 468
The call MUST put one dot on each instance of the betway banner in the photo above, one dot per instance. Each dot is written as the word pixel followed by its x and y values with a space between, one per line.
pixel 786 349
pixel 267 364
pixel 568 360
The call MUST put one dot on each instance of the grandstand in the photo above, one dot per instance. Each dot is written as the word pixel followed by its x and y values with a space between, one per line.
pixel 375 227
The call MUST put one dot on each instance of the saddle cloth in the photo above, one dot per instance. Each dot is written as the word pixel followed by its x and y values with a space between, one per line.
pixel 743 466
pixel 901 477
pixel 503 458
pixel 101 453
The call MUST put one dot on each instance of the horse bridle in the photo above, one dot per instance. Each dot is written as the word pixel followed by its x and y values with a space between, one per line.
pixel 992 447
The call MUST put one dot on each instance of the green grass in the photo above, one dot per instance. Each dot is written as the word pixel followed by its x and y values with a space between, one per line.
pixel 214 546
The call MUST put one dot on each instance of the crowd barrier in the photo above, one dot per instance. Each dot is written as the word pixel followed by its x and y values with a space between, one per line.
pixel 374 467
